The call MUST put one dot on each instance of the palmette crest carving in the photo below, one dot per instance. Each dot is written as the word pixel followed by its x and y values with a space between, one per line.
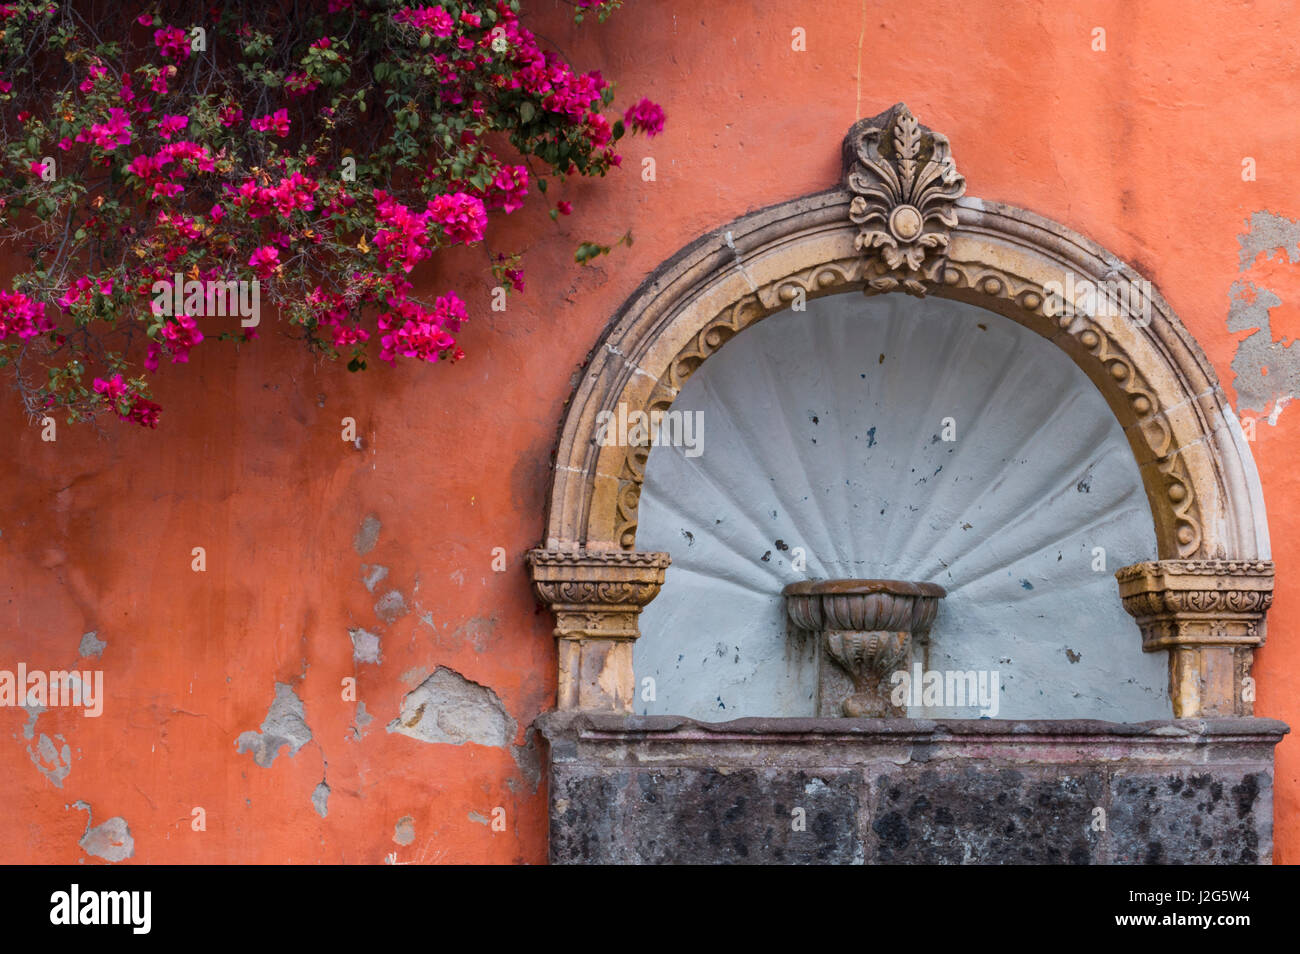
pixel 905 186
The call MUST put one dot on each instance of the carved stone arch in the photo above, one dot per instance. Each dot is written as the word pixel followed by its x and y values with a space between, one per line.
pixel 900 222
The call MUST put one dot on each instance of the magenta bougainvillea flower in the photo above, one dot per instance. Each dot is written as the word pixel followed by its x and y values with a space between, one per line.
pixel 391 132
pixel 646 117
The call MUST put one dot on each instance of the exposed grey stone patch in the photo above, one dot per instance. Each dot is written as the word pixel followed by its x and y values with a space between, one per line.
pixel 51 761
pixel 110 840
pixel 448 708
pixel 360 721
pixel 476 817
pixel 404 830
pixel 368 535
pixel 92 647
pixel 365 646
pixel 478 632
pixel 1267 371
pixel 33 713
pixel 1258 351
pixel 320 799
pixel 528 758
pixel 1267 233
pixel 371 575
pixel 285 724
pixel 391 606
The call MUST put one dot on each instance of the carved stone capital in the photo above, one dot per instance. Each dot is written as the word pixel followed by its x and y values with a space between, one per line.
pixel 597 597
pixel 905 186
pixel 597 593
pixel 1197 602
pixel 1209 616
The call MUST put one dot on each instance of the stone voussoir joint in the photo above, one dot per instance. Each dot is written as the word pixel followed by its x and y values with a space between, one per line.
pixel 597 594
pixel 1209 616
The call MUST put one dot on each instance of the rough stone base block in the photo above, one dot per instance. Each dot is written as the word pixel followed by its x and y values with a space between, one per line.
pixel 664 789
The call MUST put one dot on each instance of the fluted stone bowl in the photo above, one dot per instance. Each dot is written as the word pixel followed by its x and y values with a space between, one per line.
pixel 863 605
pixel 866 627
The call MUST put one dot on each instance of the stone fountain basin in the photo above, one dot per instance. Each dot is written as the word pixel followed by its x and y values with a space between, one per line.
pixel 863 605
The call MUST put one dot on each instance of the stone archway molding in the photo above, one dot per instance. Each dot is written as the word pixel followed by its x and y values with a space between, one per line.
pixel 901 222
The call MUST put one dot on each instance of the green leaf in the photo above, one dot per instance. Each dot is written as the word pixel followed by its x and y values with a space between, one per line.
pixel 526 111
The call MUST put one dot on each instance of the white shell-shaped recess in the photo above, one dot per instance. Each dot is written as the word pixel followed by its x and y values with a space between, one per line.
pixel 823 435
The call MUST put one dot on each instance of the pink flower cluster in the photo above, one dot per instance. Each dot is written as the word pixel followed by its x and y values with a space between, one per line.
pixel 414 332
pixel 172 43
pixel 292 192
pixel 138 410
pixel 187 156
pixel 332 310
pixel 433 20
pixel 462 217
pixel 646 117
pixel 180 334
pixel 83 286
pixel 276 122
pixel 21 316
pixel 108 136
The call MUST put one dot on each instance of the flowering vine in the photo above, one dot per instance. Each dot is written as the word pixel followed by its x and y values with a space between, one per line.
pixel 159 164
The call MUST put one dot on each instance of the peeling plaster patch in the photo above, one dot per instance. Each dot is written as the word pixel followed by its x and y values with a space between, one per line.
pixel 92 647
pixel 33 713
pixel 391 606
pixel 1278 405
pixel 476 817
pixel 368 535
pixel 371 575
pixel 365 646
pixel 1267 233
pixel 52 762
pixel 404 830
pixel 320 799
pixel 285 724
pixel 478 631
pixel 111 840
pixel 448 708
pixel 1265 369
pixel 360 721
pixel 413 675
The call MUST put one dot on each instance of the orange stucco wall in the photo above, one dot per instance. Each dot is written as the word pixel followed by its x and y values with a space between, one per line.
pixel 1139 147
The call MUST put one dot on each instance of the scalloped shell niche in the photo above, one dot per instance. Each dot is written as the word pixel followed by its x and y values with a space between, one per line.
pixel 824 430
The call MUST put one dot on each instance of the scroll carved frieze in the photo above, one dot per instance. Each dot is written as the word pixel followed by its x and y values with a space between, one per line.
pixel 904 185
pixel 956 276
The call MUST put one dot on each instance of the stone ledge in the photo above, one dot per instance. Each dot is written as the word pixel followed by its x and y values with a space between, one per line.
pixel 667 789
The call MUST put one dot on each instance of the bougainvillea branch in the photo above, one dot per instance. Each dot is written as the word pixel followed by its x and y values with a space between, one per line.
pixel 172 163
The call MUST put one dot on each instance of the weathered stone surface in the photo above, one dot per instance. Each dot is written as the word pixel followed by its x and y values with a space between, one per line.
pixel 663 789
pixel 1185 816
pixel 686 815
pixel 963 813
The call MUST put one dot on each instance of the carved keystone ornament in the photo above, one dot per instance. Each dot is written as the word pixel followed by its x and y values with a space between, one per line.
pixel 905 186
